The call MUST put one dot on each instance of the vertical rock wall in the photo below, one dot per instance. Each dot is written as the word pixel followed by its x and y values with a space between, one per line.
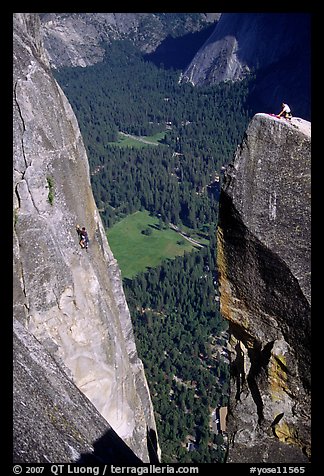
pixel 71 300
pixel 264 267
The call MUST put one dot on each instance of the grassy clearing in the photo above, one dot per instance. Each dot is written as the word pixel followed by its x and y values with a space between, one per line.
pixel 136 251
pixel 138 141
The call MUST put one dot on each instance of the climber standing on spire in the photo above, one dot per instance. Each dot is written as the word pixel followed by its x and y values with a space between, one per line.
pixel 285 111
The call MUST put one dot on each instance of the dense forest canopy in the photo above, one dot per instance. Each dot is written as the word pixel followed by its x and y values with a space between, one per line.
pixel 176 320
pixel 174 306
pixel 203 127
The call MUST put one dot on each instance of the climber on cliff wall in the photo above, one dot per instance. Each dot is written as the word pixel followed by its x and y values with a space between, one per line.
pixel 285 111
pixel 83 237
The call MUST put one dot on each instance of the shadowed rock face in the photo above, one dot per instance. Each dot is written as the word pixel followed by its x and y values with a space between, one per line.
pixel 54 421
pixel 71 300
pixel 275 46
pixel 264 266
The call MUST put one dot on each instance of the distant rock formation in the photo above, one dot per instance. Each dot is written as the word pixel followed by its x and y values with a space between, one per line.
pixel 263 256
pixel 69 300
pixel 274 46
pixel 81 39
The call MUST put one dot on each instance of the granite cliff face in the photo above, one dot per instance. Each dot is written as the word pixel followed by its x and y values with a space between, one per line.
pixel 264 277
pixel 53 420
pixel 275 46
pixel 79 39
pixel 68 302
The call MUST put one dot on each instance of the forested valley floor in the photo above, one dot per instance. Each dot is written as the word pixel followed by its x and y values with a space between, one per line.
pixel 172 170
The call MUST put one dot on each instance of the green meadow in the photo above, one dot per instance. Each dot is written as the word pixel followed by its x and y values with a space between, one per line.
pixel 138 141
pixel 137 243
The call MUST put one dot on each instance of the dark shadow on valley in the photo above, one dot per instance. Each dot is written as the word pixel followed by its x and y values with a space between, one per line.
pixel 177 53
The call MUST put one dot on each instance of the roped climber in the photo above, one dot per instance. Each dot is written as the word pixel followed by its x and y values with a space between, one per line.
pixel 83 237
